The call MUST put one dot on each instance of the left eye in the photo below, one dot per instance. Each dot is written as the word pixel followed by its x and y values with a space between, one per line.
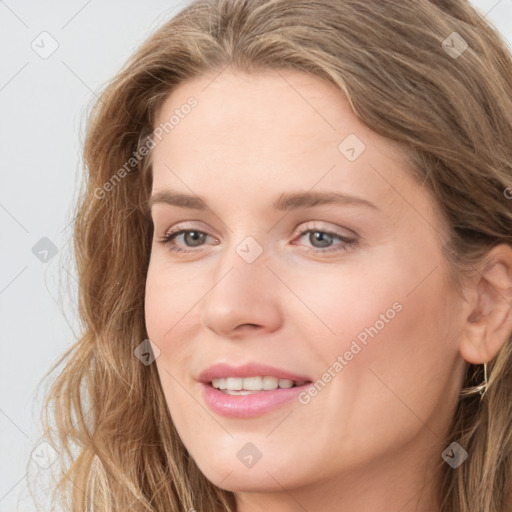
pixel 195 238
pixel 325 238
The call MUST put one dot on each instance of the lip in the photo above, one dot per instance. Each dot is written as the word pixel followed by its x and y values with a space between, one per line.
pixel 223 370
pixel 247 406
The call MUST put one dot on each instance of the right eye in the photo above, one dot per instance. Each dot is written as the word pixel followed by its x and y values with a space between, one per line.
pixel 192 236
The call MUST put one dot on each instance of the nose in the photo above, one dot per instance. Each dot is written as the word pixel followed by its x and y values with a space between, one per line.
pixel 243 297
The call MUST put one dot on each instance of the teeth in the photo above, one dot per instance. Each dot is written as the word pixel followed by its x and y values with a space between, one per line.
pixel 253 383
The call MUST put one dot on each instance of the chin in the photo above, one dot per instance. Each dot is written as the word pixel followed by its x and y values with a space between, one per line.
pixel 246 482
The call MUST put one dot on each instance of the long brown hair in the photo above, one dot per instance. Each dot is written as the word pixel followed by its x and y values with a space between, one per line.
pixel 431 74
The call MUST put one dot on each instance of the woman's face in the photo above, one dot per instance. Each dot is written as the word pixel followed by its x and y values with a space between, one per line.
pixel 359 304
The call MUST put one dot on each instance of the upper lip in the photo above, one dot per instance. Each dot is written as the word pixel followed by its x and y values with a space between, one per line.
pixel 222 370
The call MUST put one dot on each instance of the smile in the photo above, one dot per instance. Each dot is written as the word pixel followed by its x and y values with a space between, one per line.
pixel 248 385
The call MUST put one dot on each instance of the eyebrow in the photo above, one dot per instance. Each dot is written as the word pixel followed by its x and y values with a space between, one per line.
pixel 285 202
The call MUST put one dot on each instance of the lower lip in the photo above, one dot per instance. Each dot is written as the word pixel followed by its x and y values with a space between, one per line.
pixel 247 406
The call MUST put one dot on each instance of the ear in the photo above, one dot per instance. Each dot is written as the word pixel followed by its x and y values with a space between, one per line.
pixel 489 322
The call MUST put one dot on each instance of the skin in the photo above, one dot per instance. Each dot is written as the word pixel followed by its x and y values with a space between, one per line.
pixel 369 440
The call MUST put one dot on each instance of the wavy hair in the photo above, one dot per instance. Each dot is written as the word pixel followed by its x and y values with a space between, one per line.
pixel 118 448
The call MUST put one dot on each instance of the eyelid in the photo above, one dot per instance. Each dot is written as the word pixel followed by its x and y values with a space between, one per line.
pixel 320 226
pixel 192 225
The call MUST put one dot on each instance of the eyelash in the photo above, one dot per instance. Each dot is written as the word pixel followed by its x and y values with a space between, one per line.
pixel 348 242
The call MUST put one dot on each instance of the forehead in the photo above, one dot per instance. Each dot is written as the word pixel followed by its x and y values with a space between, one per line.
pixel 241 107
pixel 270 129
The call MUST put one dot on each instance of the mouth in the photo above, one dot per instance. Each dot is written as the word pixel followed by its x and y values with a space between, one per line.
pixel 250 390
pixel 270 393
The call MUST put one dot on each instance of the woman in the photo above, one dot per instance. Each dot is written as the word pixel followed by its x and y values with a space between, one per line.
pixel 295 258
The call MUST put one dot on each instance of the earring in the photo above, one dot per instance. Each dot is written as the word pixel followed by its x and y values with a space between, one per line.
pixel 483 387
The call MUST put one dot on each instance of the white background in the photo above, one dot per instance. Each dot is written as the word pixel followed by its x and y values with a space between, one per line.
pixel 42 105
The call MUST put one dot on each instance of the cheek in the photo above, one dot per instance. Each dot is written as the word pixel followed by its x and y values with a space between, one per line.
pixel 168 311
pixel 390 361
pixel 338 307
pixel 169 300
pixel 381 335
pixel 169 318
pixel 156 308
